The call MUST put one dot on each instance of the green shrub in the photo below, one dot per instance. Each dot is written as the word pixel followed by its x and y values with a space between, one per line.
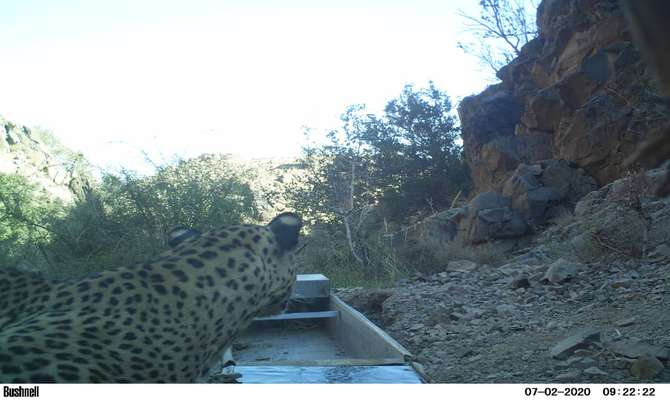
pixel 122 220
pixel 126 218
pixel 24 226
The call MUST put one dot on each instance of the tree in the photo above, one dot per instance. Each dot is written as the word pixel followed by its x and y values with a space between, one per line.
pixel 402 162
pixel 501 30
pixel 335 186
pixel 414 147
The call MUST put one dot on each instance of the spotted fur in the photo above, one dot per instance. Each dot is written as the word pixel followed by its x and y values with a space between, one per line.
pixel 162 321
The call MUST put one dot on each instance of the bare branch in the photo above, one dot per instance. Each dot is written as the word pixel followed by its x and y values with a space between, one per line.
pixel 502 29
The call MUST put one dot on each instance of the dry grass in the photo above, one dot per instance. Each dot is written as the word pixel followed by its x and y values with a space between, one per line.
pixel 595 239
pixel 432 257
pixel 328 253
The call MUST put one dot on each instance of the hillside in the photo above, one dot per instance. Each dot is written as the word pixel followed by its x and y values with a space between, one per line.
pixel 36 154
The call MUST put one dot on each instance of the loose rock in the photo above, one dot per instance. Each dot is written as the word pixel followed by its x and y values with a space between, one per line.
pixel 562 270
pixel 505 308
pixel 520 283
pixel 568 377
pixel 595 371
pixel 637 349
pixel 625 322
pixel 461 266
pixel 567 346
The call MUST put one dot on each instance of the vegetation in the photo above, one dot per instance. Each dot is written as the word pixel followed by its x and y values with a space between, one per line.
pixel 405 161
pixel 374 174
pixel 124 219
pixel 370 177
pixel 24 230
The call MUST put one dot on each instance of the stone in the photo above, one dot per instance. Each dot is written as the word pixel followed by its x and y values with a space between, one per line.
pixel 473 312
pixel 543 191
pixel 570 182
pixel 586 362
pixel 505 308
pixel 621 363
pixel 529 197
pixel 521 283
pixel 621 283
pixel 597 67
pixel 443 226
pixel 625 322
pixel 646 367
pixel 497 223
pixel 660 252
pixel 569 377
pixel 545 110
pixel 455 316
pixel 505 111
pixel 609 211
pixel 567 346
pixel 562 270
pixel 635 349
pixel 487 217
pixel 475 358
pixel 462 266
pixel 513 269
pixel 595 371
pixel 578 362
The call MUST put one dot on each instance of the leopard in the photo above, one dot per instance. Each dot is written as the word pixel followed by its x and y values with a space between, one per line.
pixel 161 321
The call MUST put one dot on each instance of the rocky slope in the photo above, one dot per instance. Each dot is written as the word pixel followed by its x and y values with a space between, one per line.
pixel 597 322
pixel 587 301
pixel 37 155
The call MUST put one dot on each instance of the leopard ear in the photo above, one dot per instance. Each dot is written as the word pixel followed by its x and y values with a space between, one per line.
pixel 286 228
pixel 181 233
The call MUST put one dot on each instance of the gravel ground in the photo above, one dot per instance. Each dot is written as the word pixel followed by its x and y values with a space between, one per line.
pixel 548 322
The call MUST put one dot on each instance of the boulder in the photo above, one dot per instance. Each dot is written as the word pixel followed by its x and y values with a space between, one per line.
pixel 490 217
pixel 541 191
pixel 533 195
pixel 443 226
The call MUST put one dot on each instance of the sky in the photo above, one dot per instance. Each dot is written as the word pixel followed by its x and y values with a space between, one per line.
pixel 113 79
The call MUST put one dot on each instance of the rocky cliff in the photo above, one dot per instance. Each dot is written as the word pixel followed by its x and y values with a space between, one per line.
pixel 34 153
pixel 567 114
pixel 579 92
